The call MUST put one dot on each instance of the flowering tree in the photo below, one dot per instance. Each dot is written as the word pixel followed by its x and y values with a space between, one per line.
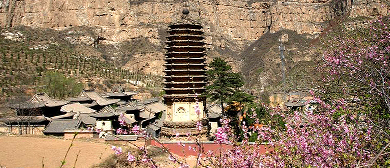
pixel 357 67
pixel 322 138
pixel 357 63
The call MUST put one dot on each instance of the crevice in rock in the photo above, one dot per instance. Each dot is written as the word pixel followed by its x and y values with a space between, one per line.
pixel 10 13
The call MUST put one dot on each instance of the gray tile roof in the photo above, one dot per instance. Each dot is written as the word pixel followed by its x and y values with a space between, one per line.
pixel 90 104
pixel 32 119
pixel 146 114
pixel 153 127
pixel 152 100
pixel 107 111
pixel 99 99
pixel 39 100
pixel 214 111
pixel 117 94
pixel 156 125
pixel 76 108
pixel 214 115
pixel 159 123
pixel 78 99
pixel 214 108
pixel 129 118
pixel 60 125
pixel 130 108
pixel 155 107
pixel 27 105
pixel 87 119
pixel 49 102
pixel 67 115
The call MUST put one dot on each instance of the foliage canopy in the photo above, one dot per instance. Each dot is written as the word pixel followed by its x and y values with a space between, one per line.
pixel 59 86
pixel 224 84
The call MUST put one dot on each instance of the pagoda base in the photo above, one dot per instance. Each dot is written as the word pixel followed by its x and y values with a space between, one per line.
pixel 171 129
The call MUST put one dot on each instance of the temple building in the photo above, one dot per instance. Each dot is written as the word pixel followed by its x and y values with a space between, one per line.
pixel 185 78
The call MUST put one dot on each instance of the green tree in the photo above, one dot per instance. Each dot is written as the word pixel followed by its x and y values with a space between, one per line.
pixel 224 84
pixel 59 86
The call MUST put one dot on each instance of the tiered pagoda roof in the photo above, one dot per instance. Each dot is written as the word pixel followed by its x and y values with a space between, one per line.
pixel 185 62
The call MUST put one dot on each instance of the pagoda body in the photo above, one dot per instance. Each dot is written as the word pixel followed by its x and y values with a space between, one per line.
pixel 185 80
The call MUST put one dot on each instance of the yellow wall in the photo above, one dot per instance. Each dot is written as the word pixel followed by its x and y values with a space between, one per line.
pixel 184 111
pixel 107 126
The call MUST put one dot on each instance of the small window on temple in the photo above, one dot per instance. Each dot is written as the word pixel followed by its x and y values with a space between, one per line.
pixel 181 110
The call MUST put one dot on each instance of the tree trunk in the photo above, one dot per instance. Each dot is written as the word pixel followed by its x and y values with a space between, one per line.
pixel 20 129
pixel 223 114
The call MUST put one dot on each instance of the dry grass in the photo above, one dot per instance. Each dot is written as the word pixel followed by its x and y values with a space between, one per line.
pixel 119 161
pixel 34 152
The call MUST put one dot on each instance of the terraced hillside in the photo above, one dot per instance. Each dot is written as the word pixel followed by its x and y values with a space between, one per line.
pixel 26 54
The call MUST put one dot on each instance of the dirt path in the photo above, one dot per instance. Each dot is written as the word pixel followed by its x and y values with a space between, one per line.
pixel 28 152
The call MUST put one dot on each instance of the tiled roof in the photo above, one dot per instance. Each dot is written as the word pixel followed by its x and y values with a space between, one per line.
pixel 152 100
pixel 76 108
pixel 107 111
pixel 79 99
pixel 87 119
pixel 214 111
pixel 49 102
pixel 99 99
pixel 129 108
pixel 39 100
pixel 129 118
pixel 155 107
pixel 146 114
pixel 60 125
pixel 67 115
pixel 117 94
pixel 31 119
pixel 27 105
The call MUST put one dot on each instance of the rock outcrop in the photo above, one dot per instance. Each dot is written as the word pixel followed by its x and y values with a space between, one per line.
pixel 231 26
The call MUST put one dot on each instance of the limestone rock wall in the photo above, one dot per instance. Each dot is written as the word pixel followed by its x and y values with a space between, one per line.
pixel 119 20
pixel 230 25
pixel 239 20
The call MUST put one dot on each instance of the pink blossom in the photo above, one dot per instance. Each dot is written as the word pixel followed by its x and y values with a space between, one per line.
pixel 171 158
pixel 221 136
pixel 117 150
pixel 184 166
pixel 199 125
pixel 135 129
pixel 130 157
pixel 119 131
pixel 121 120
pixel 197 108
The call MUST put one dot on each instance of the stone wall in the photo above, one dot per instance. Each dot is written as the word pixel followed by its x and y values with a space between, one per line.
pixel 32 129
pixel 238 20
pixel 70 134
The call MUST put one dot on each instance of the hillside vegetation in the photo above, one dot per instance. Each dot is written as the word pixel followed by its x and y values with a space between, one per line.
pixel 27 54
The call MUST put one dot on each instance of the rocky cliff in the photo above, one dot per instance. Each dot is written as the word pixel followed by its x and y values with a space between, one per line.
pixel 233 27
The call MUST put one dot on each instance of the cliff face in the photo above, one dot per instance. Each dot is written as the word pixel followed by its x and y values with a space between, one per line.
pixel 231 26
pixel 240 20
pixel 122 20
